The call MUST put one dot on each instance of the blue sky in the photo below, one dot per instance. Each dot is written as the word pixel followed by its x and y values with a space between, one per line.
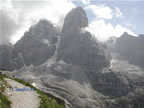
pixel 106 17
pixel 133 12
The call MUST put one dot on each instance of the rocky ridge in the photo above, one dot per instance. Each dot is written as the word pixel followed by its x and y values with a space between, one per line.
pixel 38 44
pixel 131 48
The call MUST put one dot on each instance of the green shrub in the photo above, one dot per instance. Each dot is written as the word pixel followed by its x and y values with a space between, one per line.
pixel 4 102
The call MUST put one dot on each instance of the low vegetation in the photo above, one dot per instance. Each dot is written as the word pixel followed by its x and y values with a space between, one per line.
pixel 47 100
pixel 4 102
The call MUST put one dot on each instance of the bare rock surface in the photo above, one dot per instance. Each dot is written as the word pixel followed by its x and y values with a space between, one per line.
pixel 38 44
pixel 10 59
pixel 119 79
pixel 79 47
pixel 131 48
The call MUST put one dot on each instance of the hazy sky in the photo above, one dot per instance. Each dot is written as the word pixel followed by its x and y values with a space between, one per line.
pixel 106 17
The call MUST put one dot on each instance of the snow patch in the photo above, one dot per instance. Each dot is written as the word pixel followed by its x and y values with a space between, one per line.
pixel 58 68
pixel 62 62
pixel 45 41
pixel 112 62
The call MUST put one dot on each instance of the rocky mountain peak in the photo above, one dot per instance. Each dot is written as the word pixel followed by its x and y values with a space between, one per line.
pixel 38 44
pixel 43 30
pixel 75 19
pixel 125 33
pixel 131 48
pixel 84 74
pixel 80 48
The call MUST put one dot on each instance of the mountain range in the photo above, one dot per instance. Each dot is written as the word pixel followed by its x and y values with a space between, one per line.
pixel 73 65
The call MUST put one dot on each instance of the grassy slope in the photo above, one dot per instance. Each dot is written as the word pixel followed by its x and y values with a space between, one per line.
pixel 4 102
pixel 47 100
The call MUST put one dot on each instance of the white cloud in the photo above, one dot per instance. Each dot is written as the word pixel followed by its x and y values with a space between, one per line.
pixel 118 13
pixel 25 13
pixel 135 12
pixel 86 2
pixel 104 12
pixel 100 11
pixel 129 25
pixel 8 22
pixel 104 31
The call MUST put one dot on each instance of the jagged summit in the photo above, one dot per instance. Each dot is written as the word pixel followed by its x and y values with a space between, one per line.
pixel 125 33
pixel 43 29
pixel 38 44
pixel 80 48
pixel 131 48
pixel 75 20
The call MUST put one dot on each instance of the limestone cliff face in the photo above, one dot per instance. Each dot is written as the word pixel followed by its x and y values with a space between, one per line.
pixel 79 57
pixel 38 44
pixel 132 100
pixel 77 46
pixel 75 20
pixel 131 48
pixel 9 58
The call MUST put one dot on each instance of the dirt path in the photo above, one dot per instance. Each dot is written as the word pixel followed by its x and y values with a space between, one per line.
pixel 22 99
